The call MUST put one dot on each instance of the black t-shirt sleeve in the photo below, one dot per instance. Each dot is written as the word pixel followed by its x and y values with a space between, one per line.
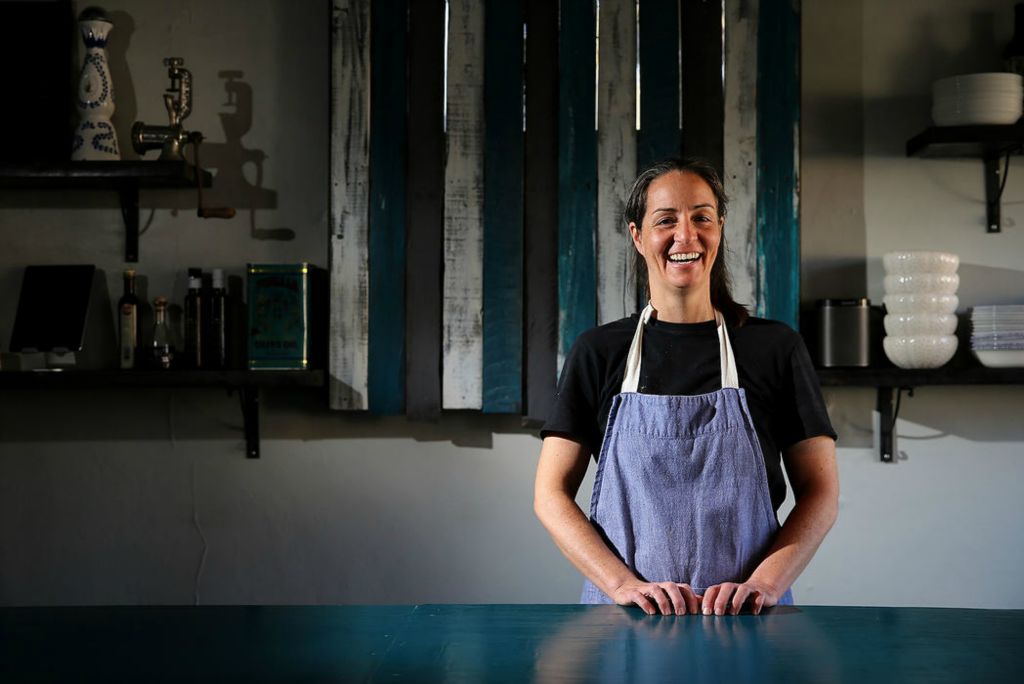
pixel 805 416
pixel 579 391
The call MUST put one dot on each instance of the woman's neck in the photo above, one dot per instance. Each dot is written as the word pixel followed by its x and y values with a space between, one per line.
pixel 690 307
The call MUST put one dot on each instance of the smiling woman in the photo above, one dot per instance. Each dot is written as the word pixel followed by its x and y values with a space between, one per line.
pixel 692 407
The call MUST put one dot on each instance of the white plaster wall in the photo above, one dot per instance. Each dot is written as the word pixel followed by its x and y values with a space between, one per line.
pixel 111 498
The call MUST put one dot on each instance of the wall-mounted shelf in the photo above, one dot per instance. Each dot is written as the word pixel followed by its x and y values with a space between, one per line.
pixel 247 383
pixel 989 143
pixel 961 371
pixel 124 177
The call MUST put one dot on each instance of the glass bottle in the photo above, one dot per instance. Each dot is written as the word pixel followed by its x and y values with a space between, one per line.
pixel 1013 55
pixel 216 334
pixel 130 322
pixel 163 346
pixel 194 319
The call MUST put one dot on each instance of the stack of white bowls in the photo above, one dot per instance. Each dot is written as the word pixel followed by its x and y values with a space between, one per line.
pixel 970 99
pixel 920 303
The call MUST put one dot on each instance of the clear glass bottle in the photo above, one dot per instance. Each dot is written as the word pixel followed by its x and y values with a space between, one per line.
pixel 130 322
pixel 194 316
pixel 163 345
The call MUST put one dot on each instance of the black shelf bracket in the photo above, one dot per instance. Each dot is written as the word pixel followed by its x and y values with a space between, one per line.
pixel 130 213
pixel 250 399
pixel 886 424
pixel 992 194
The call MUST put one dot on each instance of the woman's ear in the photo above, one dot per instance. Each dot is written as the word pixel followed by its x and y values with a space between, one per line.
pixel 634 233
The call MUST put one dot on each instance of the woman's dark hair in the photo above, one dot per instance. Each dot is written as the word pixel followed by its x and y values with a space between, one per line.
pixel 636 207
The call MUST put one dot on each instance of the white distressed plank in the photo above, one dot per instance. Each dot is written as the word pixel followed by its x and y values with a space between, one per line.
pixel 350 163
pixel 462 337
pixel 741 147
pixel 616 154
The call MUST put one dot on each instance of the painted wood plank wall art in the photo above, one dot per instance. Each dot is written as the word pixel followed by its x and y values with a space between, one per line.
pixel 481 154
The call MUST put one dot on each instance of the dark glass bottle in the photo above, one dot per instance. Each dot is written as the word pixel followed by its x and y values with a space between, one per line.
pixel 163 346
pixel 194 319
pixel 1013 55
pixel 216 332
pixel 129 322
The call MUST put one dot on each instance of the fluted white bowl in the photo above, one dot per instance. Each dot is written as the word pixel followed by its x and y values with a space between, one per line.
pixel 920 262
pixel 920 351
pixel 920 303
pixel 922 283
pixel 920 324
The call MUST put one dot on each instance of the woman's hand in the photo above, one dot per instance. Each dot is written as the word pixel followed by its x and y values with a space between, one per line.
pixel 728 598
pixel 667 598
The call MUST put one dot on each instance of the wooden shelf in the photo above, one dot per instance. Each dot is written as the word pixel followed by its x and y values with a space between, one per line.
pixel 247 383
pixel 124 177
pixel 988 143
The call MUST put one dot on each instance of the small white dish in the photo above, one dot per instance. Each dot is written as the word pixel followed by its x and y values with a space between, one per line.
pixel 920 324
pixel 920 351
pixel 920 303
pixel 1004 358
pixel 922 283
pixel 920 262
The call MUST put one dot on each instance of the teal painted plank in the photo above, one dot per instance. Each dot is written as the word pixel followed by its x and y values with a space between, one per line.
pixel 778 120
pixel 658 136
pixel 577 174
pixel 503 208
pixel 387 207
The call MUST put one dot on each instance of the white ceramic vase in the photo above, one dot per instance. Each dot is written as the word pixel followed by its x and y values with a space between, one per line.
pixel 95 138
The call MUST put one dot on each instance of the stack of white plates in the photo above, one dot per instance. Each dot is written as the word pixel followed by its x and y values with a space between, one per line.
pixel 997 335
pixel 920 304
pixel 993 98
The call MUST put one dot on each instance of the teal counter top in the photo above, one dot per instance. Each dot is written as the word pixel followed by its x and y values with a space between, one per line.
pixel 513 643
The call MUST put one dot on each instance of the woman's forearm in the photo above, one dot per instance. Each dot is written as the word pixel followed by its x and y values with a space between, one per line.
pixel 797 540
pixel 577 539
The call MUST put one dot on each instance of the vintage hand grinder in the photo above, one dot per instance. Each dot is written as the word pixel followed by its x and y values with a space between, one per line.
pixel 178 100
pixel 171 139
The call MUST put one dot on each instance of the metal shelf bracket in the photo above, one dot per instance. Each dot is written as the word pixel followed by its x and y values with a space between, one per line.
pixel 250 400
pixel 992 194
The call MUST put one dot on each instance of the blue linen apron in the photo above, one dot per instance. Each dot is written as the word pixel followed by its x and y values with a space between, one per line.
pixel 681 492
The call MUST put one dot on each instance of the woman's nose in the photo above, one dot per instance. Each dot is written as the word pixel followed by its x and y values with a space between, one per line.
pixel 685 232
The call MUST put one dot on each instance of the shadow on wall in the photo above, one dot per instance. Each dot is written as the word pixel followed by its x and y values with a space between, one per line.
pixel 157 414
pixel 926 59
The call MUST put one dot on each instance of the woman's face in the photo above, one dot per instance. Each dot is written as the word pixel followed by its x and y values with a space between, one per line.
pixel 680 234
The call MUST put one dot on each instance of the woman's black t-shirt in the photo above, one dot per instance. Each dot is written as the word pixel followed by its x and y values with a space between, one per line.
pixel 775 371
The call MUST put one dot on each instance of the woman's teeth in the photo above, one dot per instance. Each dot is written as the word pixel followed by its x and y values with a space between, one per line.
pixel 683 258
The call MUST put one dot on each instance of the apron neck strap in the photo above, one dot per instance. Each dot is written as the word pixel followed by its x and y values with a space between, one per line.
pixel 631 379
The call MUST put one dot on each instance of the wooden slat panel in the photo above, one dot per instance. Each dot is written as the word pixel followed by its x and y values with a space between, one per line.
pixel 701 31
pixel 577 174
pixel 778 122
pixel 462 347
pixel 541 231
pixel 387 207
pixel 616 153
pixel 424 234
pixel 503 208
pixel 659 135
pixel 740 147
pixel 350 80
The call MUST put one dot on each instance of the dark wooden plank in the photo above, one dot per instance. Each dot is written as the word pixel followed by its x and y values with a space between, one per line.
pixel 388 90
pixel 503 207
pixel 778 117
pixel 541 231
pixel 968 374
pixel 424 227
pixel 703 96
pixel 659 135
pixel 100 174
pixel 577 174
